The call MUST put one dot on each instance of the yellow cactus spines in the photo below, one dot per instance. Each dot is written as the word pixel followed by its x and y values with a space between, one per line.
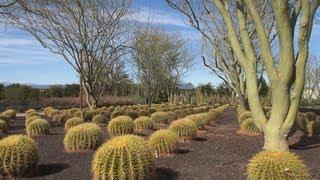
pixel 30 111
pixel 83 137
pixel 18 155
pixel 3 126
pixel 99 119
pixel 160 117
pixel 142 123
pixel 277 165
pixel 200 120
pixel 185 128
pixel 243 116
pixel 52 113
pixel 120 125
pixel 163 142
pixel 117 113
pixel 38 126
pixel 171 116
pixel 249 126
pixel 143 112
pixel 73 122
pixel 132 113
pixel 122 157
pixel 30 119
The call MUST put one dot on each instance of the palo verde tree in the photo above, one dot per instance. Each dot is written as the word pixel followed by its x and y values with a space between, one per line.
pixel 218 55
pixel 159 60
pixel 89 35
pixel 286 72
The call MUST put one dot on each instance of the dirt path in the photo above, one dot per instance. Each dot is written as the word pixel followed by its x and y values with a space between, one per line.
pixel 219 152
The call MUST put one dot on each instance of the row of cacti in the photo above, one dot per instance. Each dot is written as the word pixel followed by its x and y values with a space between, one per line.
pixel 128 156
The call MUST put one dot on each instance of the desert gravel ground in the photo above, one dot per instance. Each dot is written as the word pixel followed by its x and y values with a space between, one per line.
pixel 220 151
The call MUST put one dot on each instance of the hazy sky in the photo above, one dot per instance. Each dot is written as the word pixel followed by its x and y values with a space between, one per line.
pixel 24 60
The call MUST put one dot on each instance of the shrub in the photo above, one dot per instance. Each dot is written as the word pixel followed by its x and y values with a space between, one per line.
pixel 83 137
pixel 143 112
pixel 122 157
pixel 73 122
pixel 160 117
pixel 249 126
pixel 38 126
pixel 117 113
pixel 302 122
pixel 163 142
pixel 142 123
pixel 120 125
pixel 99 119
pixel 132 113
pixel 18 155
pixel 185 128
pixel 277 165
pixel 3 126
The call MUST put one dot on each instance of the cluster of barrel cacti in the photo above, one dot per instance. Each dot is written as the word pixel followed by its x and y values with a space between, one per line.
pixel 83 137
pixel 277 165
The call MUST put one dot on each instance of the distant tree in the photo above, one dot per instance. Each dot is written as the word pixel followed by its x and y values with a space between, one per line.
pixel 159 60
pixel 87 34
pixel 2 95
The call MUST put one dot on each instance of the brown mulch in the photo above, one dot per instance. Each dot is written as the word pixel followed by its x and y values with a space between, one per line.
pixel 220 151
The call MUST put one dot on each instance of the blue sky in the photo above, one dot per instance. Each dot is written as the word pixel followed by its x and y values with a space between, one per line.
pixel 24 60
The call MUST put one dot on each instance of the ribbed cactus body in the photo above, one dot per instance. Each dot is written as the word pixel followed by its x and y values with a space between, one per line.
pixel 277 165
pixel 249 126
pixel 73 122
pixel 38 126
pixel 185 128
pixel 18 155
pixel 122 157
pixel 160 117
pixel 142 123
pixel 83 137
pixel 99 119
pixel 163 142
pixel 120 125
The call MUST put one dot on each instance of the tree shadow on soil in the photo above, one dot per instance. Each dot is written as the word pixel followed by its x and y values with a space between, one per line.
pixel 48 169
pixel 166 173
pixel 305 143
pixel 182 151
